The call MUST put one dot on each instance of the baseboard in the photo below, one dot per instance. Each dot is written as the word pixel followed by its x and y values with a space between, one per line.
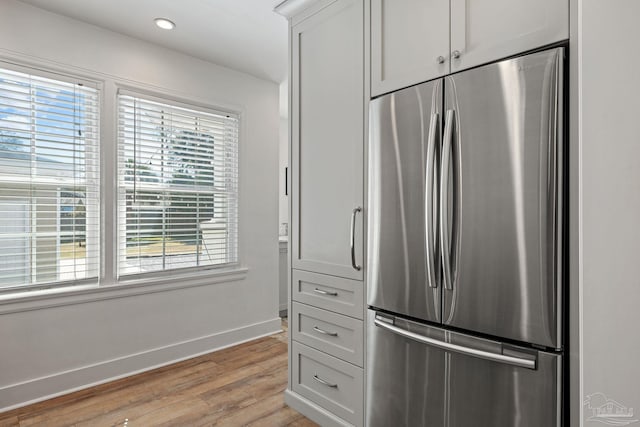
pixel 312 411
pixel 43 388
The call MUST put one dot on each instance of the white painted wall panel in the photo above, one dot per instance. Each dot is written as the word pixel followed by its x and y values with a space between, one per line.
pixel 47 351
pixel 610 138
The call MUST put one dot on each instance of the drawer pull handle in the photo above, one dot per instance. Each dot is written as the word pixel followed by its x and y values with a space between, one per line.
pixel 321 292
pixel 321 381
pixel 322 331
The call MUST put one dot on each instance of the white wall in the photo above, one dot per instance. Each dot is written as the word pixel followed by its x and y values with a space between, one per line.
pixel 283 206
pixel 54 343
pixel 609 90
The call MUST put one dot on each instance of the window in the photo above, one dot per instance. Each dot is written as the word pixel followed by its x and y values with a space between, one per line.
pixel 49 180
pixel 177 186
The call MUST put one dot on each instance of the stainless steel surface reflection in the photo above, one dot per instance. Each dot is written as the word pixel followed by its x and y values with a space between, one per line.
pixel 405 380
pixel 403 265
pixel 413 384
pixel 465 234
pixel 506 216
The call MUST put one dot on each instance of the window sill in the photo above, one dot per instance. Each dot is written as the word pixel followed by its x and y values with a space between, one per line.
pixel 81 294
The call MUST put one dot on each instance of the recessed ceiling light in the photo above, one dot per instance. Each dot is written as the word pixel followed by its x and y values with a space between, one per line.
pixel 164 23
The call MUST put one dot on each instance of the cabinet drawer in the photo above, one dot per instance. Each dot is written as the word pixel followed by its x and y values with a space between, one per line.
pixel 332 293
pixel 331 383
pixel 340 336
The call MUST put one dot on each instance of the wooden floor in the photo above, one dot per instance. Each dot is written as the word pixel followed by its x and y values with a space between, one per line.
pixel 238 386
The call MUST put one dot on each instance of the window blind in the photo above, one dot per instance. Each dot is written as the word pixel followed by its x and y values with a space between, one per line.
pixel 178 186
pixel 49 180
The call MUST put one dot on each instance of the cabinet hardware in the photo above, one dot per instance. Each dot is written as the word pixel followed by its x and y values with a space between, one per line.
pixel 322 292
pixel 322 331
pixel 321 381
pixel 353 238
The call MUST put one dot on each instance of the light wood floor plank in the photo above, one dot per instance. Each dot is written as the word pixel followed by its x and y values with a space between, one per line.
pixel 238 386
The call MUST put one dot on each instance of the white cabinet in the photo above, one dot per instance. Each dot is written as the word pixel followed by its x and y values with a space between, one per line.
pixel 409 42
pixel 327 140
pixel 408 36
pixel 333 384
pixel 337 335
pixel 331 293
pixel 327 42
pixel 487 30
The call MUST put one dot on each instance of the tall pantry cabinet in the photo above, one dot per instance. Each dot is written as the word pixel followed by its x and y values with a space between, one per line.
pixel 327 98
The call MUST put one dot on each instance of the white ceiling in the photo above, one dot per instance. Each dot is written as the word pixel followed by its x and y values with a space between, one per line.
pixel 245 35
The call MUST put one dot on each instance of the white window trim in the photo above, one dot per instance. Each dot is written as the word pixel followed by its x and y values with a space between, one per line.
pixel 81 294
pixel 70 77
pixel 43 71
pixel 108 284
pixel 165 98
pixel 175 101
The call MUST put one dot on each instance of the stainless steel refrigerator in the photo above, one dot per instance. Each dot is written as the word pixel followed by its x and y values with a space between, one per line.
pixel 465 249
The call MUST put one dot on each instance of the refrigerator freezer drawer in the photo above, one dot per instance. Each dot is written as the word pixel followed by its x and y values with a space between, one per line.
pixel 332 293
pixel 423 375
pixel 331 383
pixel 338 335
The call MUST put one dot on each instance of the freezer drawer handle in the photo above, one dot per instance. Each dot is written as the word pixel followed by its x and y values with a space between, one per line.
pixel 500 358
pixel 322 292
pixel 321 381
pixel 322 331
pixel 353 238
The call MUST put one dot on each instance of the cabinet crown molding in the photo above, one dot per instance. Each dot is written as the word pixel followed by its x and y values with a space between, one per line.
pixel 290 8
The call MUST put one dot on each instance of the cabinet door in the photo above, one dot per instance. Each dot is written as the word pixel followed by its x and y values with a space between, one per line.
pixel 407 38
pixel 488 30
pixel 328 140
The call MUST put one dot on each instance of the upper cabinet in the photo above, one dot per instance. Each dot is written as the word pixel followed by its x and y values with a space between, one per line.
pixel 417 40
pixel 409 42
pixel 487 30
pixel 327 140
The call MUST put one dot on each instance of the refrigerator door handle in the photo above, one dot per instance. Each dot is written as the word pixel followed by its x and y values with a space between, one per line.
pixel 428 207
pixel 445 249
pixel 352 239
pixel 486 355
